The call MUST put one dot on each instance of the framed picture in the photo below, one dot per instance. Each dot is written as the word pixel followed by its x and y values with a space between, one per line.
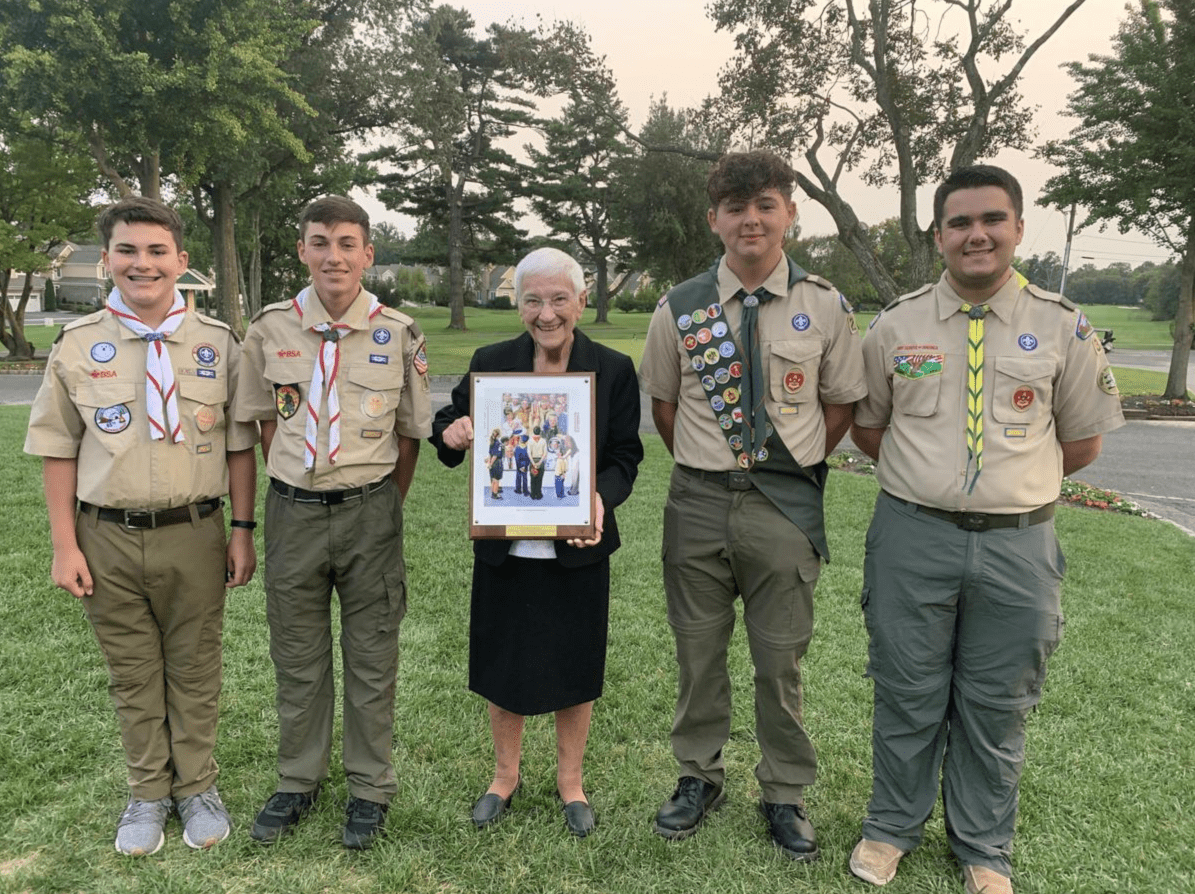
pixel 531 475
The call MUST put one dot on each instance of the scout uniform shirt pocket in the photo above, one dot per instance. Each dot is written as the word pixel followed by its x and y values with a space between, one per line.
pixel 917 382
pixel 290 382
pixel 1022 389
pixel 793 373
pixel 109 410
pixel 369 400
pixel 201 405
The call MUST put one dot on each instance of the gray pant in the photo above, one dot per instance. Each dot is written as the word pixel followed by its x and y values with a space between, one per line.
pixel 355 546
pixel 719 544
pixel 961 625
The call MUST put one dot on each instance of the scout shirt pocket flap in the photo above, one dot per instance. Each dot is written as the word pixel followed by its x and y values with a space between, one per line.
pixel 210 392
pixel 917 383
pixel 1022 390
pixel 793 370
pixel 376 386
pixel 98 395
pixel 107 409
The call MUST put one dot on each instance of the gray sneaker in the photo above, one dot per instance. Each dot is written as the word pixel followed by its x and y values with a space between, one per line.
pixel 141 830
pixel 205 820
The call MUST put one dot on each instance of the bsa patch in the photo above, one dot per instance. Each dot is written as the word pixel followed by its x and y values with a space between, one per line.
pixel 1108 381
pixel 917 366
pixel 371 433
pixel 287 399
pixel 103 374
pixel 206 355
pixel 731 395
pixel 113 420
pixel 725 421
pixel 698 364
pixel 719 329
pixel 1083 329
pixel 789 411
pixel 800 322
pixel 1015 432
pixel 206 373
pixel 381 336
pixel 735 442
pixel 203 448
pixel 373 404
pixel 699 317
pixel 379 358
pixel 1023 397
pixel 726 349
pixel 707 382
pixel 288 353
pixel 714 311
pixel 690 342
pixel 736 370
pixel 794 380
pixel 684 322
pixel 717 403
pixel 103 351
pixel 1027 341
pixel 704 336
pixel 712 355
pixel 205 418
pixel 420 360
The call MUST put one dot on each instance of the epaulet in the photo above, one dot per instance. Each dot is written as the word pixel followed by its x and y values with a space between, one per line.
pixel 403 318
pixel 90 320
pixel 212 321
pixel 905 297
pixel 818 281
pixel 269 308
pixel 1039 292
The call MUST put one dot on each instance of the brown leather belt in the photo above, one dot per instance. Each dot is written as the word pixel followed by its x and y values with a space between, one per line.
pixel 983 521
pixel 152 518
pixel 325 497
pixel 734 480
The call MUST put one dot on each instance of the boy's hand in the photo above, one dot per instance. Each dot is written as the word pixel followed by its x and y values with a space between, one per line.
pixel 241 558
pixel 70 572
pixel 459 435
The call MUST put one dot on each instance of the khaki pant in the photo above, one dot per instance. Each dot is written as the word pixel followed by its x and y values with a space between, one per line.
pixel 157 611
pixel 356 547
pixel 719 544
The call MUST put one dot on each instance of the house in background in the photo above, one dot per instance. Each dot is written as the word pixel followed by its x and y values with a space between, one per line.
pixel 79 276
pixel 16 285
pixel 197 289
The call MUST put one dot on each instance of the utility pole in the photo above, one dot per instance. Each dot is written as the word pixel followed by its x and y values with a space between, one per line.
pixel 1066 255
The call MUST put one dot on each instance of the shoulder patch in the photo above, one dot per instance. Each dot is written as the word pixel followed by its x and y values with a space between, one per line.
pixel 663 299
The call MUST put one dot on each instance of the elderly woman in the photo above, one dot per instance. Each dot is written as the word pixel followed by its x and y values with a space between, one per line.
pixel 539 609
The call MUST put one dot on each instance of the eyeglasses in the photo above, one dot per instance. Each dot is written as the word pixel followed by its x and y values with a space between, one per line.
pixel 559 303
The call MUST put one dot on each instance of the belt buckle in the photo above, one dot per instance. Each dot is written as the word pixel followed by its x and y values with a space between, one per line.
pixel 738 481
pixel 975 521
pixel 143 515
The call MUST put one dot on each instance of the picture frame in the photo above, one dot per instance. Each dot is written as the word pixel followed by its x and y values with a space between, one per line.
pixel 506 409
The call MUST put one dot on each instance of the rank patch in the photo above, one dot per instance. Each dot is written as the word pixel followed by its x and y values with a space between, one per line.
pixel 917 366
pixel 206 355
pixel 103 351
pixel 1023 397
pixel 379 358
pixel 420 360
pixel 794 380
pixel 113 420
pixel 800 322
pixel 205 418
pixel 1108 381
pixel 1027 341
pixel 381 336
pixel 373 404
pixel 287 399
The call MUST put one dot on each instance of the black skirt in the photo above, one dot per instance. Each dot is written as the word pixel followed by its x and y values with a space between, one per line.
pixel 537 633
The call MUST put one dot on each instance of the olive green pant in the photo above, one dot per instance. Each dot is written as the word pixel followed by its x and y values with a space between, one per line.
pixel 157 611
pixel 720 544
pixel 356 548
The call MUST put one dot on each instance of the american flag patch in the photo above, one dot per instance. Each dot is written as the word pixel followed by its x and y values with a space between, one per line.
pixel 420 360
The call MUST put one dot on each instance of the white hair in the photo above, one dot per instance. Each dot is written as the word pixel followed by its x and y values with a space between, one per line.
pixel 549 261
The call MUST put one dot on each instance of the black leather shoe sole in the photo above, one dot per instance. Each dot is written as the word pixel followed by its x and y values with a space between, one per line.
pixel 673 834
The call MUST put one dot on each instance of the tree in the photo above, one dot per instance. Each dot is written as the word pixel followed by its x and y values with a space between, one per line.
pixel 1131 158
pixel 388 243
pixel 901 91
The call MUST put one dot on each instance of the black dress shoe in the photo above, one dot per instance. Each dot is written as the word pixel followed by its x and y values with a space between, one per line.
pixel 686 809
pixel 491 806
pixel 580 818
pixel 791 830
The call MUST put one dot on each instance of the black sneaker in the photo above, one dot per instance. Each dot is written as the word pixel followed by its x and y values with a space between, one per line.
pixel 684 811
pixel 281 814
pixel 364 822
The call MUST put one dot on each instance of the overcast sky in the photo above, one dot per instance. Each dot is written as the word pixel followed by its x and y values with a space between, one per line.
pixel 658 47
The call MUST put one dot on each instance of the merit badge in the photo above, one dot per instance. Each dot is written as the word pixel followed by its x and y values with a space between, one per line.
pixel 103 351
pixel 800 322
pixel 917 366
pixel 719 329
pixel 205 418
pixel 683 322
pixel 737 415
pixel 373 404
pixel 1108 381
pixel 1023 397
pixel 420 360
pixel 379 358
pixel 726 349
pixel 744 459
pixel 371 433
pixel 1083 329
pixel 698 364
pixel 381 336
pixel 711 355
pixel 287 398
pixel 731 395
pixel 725 421
pixel 714 311
pixel 704 336
pixel 707 382
pixel 1027 341
pixel 794 379
pixel 206 355
pixel 736 370
pixel 721 375
pixel 113 419
pixel 699 317
pixel 690 342
pixel 762 455
pixel 735 442
pixel 717 403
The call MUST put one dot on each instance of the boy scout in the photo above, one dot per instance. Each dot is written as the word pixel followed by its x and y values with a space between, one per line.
pixel 752 368
pixel 132 422
pixel 983 392
pixel 339 384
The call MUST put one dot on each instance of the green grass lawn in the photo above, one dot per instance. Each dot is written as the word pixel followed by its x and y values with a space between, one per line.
pixel 1105 804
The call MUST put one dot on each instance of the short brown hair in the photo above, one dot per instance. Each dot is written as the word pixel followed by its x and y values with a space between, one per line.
pixel 741 175
pixel 974 177
pixel 333 210
pixel 139 209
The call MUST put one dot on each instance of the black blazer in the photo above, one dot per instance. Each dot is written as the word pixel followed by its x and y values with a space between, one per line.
pixel 619 450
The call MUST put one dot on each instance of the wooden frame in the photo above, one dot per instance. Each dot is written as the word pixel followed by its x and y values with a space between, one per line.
pixel 530 398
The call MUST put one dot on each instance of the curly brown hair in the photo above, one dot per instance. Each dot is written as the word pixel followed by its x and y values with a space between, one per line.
pixel 741 175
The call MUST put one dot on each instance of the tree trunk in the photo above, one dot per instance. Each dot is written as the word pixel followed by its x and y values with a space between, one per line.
pixel 18 347
pixel 1180 356
pixel 224 256
pixel 5 338
pixel 150 174
pixel 601 300
pixel 456 272
pixel 253 277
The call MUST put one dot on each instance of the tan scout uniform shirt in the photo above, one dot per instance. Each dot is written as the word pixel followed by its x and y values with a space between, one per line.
pixel 811 356
pixel 1046 379
pixel 382 384
pixel 91 406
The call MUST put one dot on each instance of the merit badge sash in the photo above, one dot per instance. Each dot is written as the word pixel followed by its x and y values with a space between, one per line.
pixel 720 365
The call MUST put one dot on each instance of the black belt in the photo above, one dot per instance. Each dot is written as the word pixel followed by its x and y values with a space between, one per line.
pixel 984 521
pixel 735 480
pixel 153 518
pixel 325 497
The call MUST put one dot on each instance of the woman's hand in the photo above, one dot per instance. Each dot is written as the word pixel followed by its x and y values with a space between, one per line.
pixel 459 435
pixel 600 514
